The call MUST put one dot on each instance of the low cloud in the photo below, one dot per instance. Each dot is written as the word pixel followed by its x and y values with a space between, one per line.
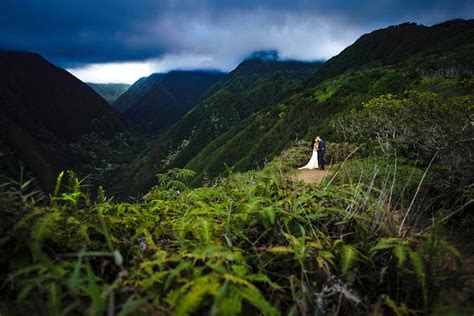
pixel 129 72
pixel 90 37
pixel 113 72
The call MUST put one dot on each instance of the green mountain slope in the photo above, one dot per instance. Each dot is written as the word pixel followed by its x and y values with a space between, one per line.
pixel 259 138
pixel 255 84
pixel 442 47
pixel 162 99
pixel 109 91
pixel 135 92
pixel 52 121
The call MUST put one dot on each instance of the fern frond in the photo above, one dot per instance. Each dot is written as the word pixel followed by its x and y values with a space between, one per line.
pixel 182 174
pixel 400 253
pixel 256 299
pixel 387 243
pixel 420 272
pixel 349 255
pixel 193 299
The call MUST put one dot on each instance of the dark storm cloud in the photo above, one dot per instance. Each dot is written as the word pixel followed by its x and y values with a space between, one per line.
pixel 86 31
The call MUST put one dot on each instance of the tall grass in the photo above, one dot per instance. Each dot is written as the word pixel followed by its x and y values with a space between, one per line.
pixel 252 243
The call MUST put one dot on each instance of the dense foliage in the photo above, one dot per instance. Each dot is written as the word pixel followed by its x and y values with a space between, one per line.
pixel 255 243
pixel 427 129
pixel 443 49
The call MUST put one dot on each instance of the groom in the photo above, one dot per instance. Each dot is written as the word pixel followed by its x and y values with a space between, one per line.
pixel 321 151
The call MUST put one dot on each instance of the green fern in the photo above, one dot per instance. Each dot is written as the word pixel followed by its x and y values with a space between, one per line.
pixel 194 297
pixel 349 256
pixel 420 272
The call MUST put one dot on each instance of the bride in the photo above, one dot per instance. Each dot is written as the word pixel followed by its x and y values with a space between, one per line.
pixel 313 162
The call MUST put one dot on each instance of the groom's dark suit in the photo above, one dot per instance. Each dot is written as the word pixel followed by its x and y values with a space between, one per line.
pixel 321 152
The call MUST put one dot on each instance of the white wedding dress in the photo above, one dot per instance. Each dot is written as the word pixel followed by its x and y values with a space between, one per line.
pixel 313 162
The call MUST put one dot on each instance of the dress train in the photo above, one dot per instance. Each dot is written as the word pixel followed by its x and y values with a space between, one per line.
pixel 313 162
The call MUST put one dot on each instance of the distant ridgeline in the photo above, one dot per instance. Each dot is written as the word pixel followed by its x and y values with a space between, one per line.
pixel 264 55
pixel 265 104
pixel 443 49
pixel 153 103
pixel 52 121
pixel 109 91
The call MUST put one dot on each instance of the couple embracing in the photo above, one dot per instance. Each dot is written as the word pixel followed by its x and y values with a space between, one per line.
pixel 318 147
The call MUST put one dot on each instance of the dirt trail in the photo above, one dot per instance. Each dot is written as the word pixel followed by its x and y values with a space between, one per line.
pixel 311 175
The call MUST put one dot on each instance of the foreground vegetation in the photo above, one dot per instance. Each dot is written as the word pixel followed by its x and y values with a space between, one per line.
pixel 252 243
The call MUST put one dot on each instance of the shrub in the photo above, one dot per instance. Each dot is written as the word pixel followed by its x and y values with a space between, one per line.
pixel 417 126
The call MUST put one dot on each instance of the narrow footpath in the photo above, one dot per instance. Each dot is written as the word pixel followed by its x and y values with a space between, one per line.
pixel 311 175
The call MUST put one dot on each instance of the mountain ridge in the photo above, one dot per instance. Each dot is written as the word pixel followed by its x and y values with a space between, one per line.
pixel 157 101
pixel 407 39
pixel 51 116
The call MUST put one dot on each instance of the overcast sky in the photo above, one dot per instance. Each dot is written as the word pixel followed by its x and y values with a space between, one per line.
pixel 123 40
